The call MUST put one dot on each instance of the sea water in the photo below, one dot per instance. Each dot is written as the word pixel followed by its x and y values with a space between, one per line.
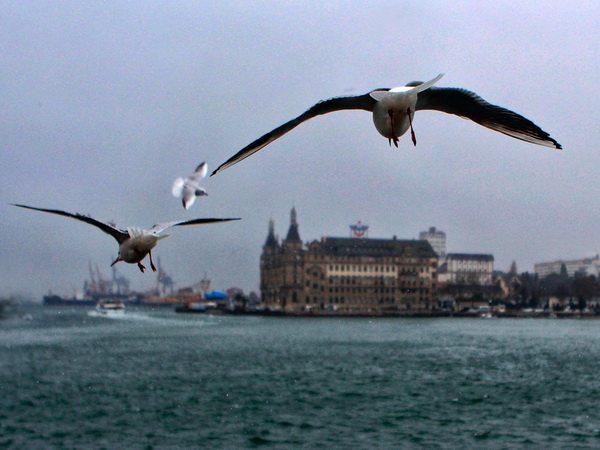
pixel 157 379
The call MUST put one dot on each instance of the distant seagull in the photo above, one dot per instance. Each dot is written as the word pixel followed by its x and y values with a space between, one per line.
pixel 134 243
pixel 188 188
pixel 393 111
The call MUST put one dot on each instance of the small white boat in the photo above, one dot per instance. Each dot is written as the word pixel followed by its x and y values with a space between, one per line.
pixel 110 308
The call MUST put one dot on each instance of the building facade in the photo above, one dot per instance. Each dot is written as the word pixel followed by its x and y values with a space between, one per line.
pixel 348 275
pixel 587 266
pixel 467 269
pixel 437 239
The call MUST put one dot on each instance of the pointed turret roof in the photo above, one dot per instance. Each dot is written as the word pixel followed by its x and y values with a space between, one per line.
pixel 293 233
pixel 271 239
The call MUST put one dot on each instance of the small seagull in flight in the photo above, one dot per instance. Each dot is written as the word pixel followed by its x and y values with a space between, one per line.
pixel 187 189
pixel 134 243
pixel 393 111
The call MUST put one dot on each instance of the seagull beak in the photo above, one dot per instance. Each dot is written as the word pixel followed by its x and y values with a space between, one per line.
pixel 116 261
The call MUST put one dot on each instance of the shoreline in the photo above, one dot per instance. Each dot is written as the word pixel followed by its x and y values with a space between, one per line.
pixel 420 315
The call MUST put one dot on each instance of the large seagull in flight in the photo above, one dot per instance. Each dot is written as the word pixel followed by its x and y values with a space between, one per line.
pixel 134 243
pixel 394 109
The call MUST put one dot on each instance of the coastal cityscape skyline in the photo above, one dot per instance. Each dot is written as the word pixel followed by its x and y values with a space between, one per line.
pixel 589 265
pixel 362 276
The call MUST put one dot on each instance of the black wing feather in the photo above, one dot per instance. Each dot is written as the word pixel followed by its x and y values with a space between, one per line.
pixel 202 221
pixel 469 105
pixel 119 235
pixel 364 102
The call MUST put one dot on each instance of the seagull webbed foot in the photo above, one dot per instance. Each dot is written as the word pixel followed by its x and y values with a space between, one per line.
pixel 393 138
pixel 142 267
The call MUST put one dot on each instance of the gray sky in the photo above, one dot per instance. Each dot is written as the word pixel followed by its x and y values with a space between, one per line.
pixel 104 104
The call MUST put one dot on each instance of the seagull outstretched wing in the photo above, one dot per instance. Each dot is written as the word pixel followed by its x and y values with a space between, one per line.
pixel 119 235
pixel 199 173
pixel 469 105
pixel 159 227
pixel 364 102
pixel 177 188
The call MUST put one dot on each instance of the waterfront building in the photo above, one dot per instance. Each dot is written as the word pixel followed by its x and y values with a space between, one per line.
pixel 586 266
pixel 467 269
pixel 437 239
pixel 347 274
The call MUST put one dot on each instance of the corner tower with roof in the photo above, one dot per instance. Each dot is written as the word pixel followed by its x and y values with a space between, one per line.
pixel 282 266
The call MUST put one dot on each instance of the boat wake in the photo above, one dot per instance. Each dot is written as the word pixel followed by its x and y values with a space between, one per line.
pixel 95 313
pixel 138 316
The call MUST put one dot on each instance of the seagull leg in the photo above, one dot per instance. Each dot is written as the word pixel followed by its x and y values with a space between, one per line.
pixel 141 266
pixel 394 138
pixel 412 132
pixel 151 263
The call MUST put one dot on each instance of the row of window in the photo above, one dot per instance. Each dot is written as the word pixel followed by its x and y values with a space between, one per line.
pixel 373 290
pixel 367 281
pixel 470 266
pixel 377 269
pixel 361 301
pixel 361 280
pixel 361 268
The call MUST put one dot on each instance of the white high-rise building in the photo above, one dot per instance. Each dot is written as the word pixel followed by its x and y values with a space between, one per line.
pixel 437 239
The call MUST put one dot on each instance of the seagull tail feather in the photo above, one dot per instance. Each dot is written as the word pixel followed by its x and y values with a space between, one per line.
pixel 427 84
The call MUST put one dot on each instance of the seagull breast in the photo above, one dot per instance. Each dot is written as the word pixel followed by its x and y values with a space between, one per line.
pixel 391 112
pixel 138 245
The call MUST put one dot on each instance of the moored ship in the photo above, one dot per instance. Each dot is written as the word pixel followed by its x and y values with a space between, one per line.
pixel 95 289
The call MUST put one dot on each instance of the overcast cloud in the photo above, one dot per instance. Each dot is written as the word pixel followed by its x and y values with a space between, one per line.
pixel 104 104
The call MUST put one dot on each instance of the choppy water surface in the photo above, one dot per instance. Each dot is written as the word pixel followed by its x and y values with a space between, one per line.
pixel 159 379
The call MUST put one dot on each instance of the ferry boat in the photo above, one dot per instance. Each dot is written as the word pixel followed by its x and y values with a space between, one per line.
pixel 110 308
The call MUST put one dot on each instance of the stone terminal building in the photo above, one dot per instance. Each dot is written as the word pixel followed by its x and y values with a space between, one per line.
pixel 347 275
